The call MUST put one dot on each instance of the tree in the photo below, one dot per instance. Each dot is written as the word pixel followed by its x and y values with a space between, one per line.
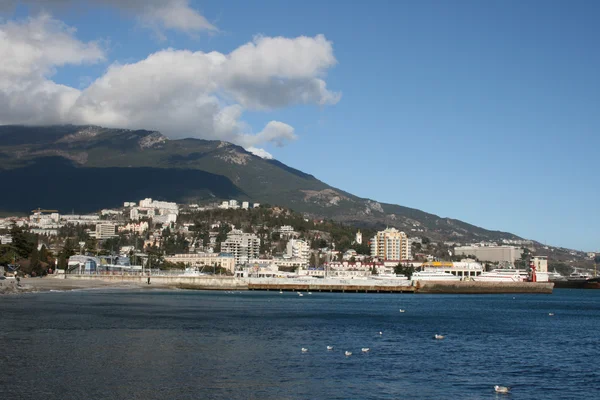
pixel 313 259
pixel 34 260
pixel 62 261
pixel 44 254
pixel 22 241
pixel 406 269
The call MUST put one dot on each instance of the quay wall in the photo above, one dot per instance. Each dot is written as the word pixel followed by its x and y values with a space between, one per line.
pixel 174 281
pixel 468 287
pixel 326 285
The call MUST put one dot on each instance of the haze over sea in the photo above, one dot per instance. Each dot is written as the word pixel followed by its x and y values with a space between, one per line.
pixel 154 344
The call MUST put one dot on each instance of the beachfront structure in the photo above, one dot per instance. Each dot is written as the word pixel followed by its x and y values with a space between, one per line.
pixel 204 260
pixel 243 246
pixel 105 231
pixel 391 244
pixel 540 263
pixel 463 269
pixel 358 238
pixel 490 253
pixel 299 249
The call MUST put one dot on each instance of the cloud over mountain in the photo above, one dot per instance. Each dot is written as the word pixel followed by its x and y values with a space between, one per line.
pixel 179 92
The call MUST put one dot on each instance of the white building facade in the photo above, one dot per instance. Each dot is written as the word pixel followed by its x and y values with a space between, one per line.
pixel 243 246
pixel 391 244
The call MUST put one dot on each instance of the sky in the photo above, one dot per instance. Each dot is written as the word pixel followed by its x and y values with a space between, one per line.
pixel 487 112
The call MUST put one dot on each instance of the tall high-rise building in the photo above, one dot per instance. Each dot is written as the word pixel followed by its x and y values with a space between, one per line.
pixel 298 248
pixel 243 246
pixel 391 244
pixel 359 237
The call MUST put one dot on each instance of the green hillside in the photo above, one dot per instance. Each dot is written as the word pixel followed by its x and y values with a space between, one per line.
pixel 89 167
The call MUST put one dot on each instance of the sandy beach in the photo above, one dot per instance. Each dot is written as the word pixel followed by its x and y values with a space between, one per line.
pixel 9 286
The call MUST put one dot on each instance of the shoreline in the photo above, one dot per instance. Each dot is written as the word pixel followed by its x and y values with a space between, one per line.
pixel 82 282
pixel 58 283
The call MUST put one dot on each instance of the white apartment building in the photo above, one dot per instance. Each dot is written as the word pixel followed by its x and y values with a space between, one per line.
pixel 105 231
pixel 358 237
pixel 391 244
pixel 490 253
pixel 243 246
pixel 199 260
pixel 79 219
pixel 245 205
pixel 298 249
pixel 286 231
pixel 5 239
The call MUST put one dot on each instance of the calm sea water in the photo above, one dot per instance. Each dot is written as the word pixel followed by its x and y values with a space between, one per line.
pixel 150 344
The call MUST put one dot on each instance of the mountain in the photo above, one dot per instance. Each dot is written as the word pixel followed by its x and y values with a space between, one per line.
pixel 85 168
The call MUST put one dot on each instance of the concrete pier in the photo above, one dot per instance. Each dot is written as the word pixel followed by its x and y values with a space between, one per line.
pixel 469 287
pixel 325 285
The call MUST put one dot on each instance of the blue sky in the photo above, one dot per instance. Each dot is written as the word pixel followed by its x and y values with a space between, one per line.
pixel 481 111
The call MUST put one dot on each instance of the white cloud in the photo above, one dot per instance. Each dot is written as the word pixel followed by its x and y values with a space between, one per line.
pixel 156 14
pixel 262 153
pixel 30 51
pixel 179 92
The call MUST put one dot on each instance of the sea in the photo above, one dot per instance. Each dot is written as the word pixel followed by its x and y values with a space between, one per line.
pixel 176 344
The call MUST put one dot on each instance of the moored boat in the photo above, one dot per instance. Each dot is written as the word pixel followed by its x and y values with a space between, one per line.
pixel 500 275
pixel 434 276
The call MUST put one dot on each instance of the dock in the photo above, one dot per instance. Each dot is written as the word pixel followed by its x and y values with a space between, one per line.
pixel 329 285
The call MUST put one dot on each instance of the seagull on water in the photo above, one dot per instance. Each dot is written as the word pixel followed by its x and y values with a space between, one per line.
pixel 381 333
pixel 348 353
pixel 551 314
pixel 365 349
pixel 438 337
pixel 501 389
pixel 304 350
pixel 300 294
pixel 402 310
pixel 329 347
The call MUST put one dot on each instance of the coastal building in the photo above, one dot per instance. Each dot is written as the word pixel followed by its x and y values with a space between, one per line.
pixel 347 269
pixel 463 269
pixel 286 231
pixel 164 207
pixel 105 231
pixel 358 238
pixel 391 244
pixel 540 263
pixel 299 249
pixel 243 246
pixel 6 239
pixel 490 253
pixel 204 260
pixel 137 227
pixel 245 205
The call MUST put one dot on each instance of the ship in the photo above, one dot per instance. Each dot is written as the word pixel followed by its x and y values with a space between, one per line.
pixel 500 275
pixel 434 276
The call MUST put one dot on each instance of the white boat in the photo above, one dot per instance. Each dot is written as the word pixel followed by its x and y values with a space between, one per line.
pixel 500 275
pixel 579 276
pixel 434 276
pixel 389 276
pixel 555 276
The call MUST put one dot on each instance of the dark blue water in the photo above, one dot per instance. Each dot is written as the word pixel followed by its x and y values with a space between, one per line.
pixel 115 344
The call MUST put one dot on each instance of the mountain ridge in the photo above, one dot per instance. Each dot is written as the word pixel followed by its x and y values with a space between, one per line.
pixel 148 164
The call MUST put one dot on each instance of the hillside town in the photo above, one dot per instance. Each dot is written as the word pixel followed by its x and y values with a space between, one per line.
pixel 233 238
